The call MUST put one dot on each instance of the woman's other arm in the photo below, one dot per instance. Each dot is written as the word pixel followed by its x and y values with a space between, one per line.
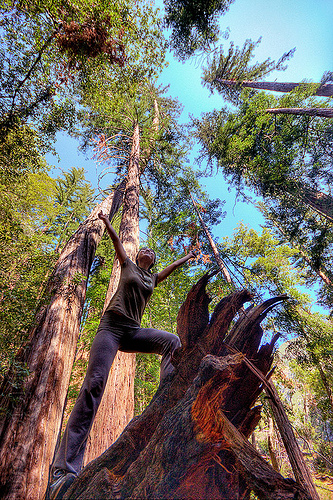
pixel 118 246
pixel 171 268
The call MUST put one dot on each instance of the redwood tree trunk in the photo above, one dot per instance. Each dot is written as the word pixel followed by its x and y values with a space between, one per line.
pixel 191 441
pixel 324 90
pixel 32 410
pixel 117 405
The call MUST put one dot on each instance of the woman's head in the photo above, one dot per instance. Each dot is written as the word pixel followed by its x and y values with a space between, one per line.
pixel 145 258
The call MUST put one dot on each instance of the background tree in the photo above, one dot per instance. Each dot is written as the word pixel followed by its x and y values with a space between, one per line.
pixel 36 213
pixel 32 406
pixel 194 24
pixel 287 161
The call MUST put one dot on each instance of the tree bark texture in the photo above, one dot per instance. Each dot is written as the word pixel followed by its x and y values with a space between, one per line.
pixel 117 405
pixel 191 440
pixel 323 112
pixel 298 464
pixel 325 90
pixel 32 410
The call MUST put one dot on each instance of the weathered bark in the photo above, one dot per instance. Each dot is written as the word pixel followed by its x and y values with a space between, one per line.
pixel 32 411
pixel 190 442
pixel 117 405
pixel 297 462
pixel 324 112
pixel 324 90
pixel 217 256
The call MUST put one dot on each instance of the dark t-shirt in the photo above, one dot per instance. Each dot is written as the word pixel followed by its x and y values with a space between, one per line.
pixel 134 290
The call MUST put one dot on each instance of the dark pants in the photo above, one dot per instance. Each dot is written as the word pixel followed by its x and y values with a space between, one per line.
pixel 114 332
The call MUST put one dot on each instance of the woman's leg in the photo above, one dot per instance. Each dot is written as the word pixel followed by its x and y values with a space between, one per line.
pixel 103 350
pixel 152 340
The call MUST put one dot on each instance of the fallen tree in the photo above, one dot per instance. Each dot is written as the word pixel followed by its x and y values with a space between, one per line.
pixel 191 441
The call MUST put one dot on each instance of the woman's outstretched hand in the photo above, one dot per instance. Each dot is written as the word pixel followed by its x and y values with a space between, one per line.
pixel 103 217
pixel 118 246
pixel 193 254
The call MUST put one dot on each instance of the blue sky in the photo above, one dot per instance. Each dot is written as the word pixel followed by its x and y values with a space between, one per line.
pixel 282 24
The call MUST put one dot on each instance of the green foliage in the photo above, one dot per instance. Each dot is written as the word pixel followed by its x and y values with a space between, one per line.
pixel 193 23
pixel 34 221
pixel 323 461
pixel 235 65
pixel 73 201
pixel 53 54
pixel 146 381
pixel 20 153
pixel 286 160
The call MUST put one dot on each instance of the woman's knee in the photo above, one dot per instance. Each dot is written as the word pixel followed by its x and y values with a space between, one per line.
pixel 175 343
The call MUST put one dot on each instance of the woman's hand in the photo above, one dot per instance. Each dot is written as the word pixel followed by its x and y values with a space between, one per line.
pixel 170 269
pixel 118 246
pixel 103 217
pixel 192 254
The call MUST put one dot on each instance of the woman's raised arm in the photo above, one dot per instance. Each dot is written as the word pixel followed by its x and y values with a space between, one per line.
pixel 118 246
pixel 171 268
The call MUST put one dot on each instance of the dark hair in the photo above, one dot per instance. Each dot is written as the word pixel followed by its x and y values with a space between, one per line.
pixel 144 248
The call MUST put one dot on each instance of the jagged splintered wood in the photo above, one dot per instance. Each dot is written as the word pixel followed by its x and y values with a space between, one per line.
pixel 191 440
pixel 32 407
pixel 325 90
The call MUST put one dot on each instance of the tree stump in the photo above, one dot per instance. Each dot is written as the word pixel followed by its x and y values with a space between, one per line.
pixel 191 441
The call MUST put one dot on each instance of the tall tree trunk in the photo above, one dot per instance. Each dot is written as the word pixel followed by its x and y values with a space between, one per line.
pixel 325 90
pixel 117 405
pixel 191 441
pixel 319 272
pixel 298 464
pixel 324 112
pixel 32 408
pixel 217 256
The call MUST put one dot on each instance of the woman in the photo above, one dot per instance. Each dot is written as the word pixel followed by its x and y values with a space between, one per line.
pixel 119 329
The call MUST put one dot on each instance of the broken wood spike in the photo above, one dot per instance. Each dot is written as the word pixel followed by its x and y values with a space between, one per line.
pixel 193 315
pixel 209 401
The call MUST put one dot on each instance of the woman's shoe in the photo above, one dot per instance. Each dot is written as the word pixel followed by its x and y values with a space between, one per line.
pixel 61 481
